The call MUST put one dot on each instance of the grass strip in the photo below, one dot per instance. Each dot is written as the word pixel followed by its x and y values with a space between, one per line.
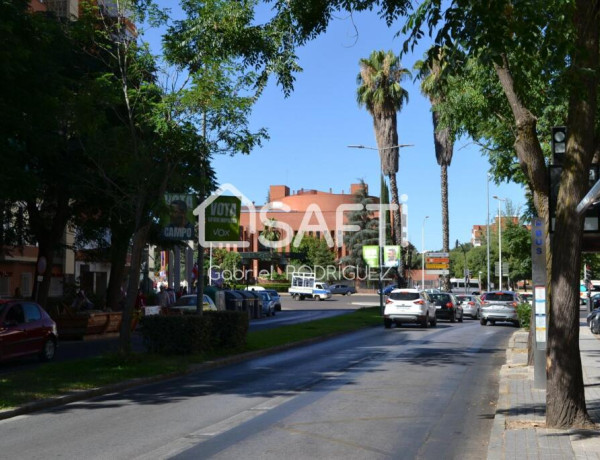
pixel 55 379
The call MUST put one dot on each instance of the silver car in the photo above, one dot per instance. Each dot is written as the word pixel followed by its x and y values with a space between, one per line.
pixel 471 305
pixel 409 306
pixel 500 306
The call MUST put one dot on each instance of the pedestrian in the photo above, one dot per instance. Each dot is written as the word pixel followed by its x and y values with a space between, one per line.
pixel 163 299
pixel 81 302
pixel 140 300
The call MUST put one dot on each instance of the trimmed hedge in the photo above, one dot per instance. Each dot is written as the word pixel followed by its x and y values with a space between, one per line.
pixel 279 287
pixel 191 334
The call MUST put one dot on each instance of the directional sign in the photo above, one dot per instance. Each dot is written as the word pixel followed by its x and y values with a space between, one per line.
pixel 445 255
pixel 437 260
pixel 436 266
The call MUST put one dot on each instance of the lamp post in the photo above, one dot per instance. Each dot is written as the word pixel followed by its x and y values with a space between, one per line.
pixel 499 241
pixel 381 227
pixel 488 231
pixel 423 253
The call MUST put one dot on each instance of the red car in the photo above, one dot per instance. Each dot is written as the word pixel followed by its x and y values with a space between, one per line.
pixel 26 329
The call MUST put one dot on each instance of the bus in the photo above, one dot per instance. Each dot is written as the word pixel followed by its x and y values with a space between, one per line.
pixel 459 286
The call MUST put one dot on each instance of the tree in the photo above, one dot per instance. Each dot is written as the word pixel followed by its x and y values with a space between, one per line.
pixel 380 92
pixel 367 233
pixel 521 45
pixel 270 233
pixel 430 74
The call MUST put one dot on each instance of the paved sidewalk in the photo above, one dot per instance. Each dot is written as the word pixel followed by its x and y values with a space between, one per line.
pixel 519 426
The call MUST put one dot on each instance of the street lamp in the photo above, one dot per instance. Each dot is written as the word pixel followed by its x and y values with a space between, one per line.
pixel 488 231
pixel 381 227
pixel 423 253
pixel 499 241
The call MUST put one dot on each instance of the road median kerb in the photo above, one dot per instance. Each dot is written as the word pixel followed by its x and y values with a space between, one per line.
pixel 82 395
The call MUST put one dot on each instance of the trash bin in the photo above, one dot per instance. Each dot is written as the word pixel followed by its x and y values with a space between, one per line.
pixel 233 301
pixel 257 304
pixel 249 302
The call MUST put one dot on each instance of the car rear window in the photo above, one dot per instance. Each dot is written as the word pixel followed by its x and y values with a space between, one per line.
pixel 440 297
pixel 463 297
pixel 404 295
pixel 499 297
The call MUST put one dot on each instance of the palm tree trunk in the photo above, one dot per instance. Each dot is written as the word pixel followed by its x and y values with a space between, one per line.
pixel 397 223
pixel 445 217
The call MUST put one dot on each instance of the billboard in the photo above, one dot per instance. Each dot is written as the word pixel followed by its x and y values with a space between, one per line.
pixel 180 220
pixel 391 256
pixel 371 256
pixel 222 219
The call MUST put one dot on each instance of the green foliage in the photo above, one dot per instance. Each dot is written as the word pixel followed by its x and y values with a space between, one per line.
pixel 367 233
pixel 190 334
pixel 524 315
pixel 279 287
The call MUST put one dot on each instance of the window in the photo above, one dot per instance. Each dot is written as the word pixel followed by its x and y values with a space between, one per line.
pixel 15 314
pixel 499 297
pixel 404 295
pixel 32 312
pixel 4 286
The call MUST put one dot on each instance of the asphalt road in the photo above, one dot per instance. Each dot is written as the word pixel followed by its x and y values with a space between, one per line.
pixel 374 394
pixel 293 311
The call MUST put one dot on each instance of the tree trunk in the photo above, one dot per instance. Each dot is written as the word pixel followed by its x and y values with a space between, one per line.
pixel 140 239
pixel 445 217
pixel 48 224
pixel 565 395
pixel 397 224
pixel 118 257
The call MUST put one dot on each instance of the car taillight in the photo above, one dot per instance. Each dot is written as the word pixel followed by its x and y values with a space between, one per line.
pixel 388 301
pixel 419 302
pixel 471 303
pixel 514 304
pixel 449 305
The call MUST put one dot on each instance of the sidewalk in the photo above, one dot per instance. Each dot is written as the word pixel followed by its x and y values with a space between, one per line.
pixel 519 425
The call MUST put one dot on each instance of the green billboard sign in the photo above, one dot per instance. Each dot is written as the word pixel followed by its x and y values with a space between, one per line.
pixel 222 219
pixel 371 256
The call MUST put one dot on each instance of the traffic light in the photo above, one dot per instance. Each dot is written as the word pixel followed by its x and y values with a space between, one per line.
pixel 588 272
pixel 559 144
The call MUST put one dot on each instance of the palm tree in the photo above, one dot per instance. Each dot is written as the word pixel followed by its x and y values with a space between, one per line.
pixel 380 92
pixel 430 74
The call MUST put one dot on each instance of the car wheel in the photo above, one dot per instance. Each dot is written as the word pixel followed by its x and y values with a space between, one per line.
pixel 48 351
pixel 387 323
pixel 348 293
pixel 425 322
pixel 493 323
pixel 595 325
pixel 453 317
pixel 318 298
pixel 483 321
pixel 433 321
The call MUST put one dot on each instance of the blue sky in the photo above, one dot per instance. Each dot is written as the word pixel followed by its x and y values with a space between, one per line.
pixel 311 129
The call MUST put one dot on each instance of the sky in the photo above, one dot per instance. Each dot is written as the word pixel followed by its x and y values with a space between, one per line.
pixel 310 132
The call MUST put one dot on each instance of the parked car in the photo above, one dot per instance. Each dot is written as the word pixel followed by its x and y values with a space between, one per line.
pixel 527 297
pixel 500 306
pixel 26 329
pixel 409 306
pixel 268 304
pixel 447 306
pixel 275 297
pixel 342 289
pixel 187 304
pixel 593 321
pixel 471 305
pixel 387 289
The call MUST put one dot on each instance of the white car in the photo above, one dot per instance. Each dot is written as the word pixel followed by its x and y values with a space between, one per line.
pixel 409 306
